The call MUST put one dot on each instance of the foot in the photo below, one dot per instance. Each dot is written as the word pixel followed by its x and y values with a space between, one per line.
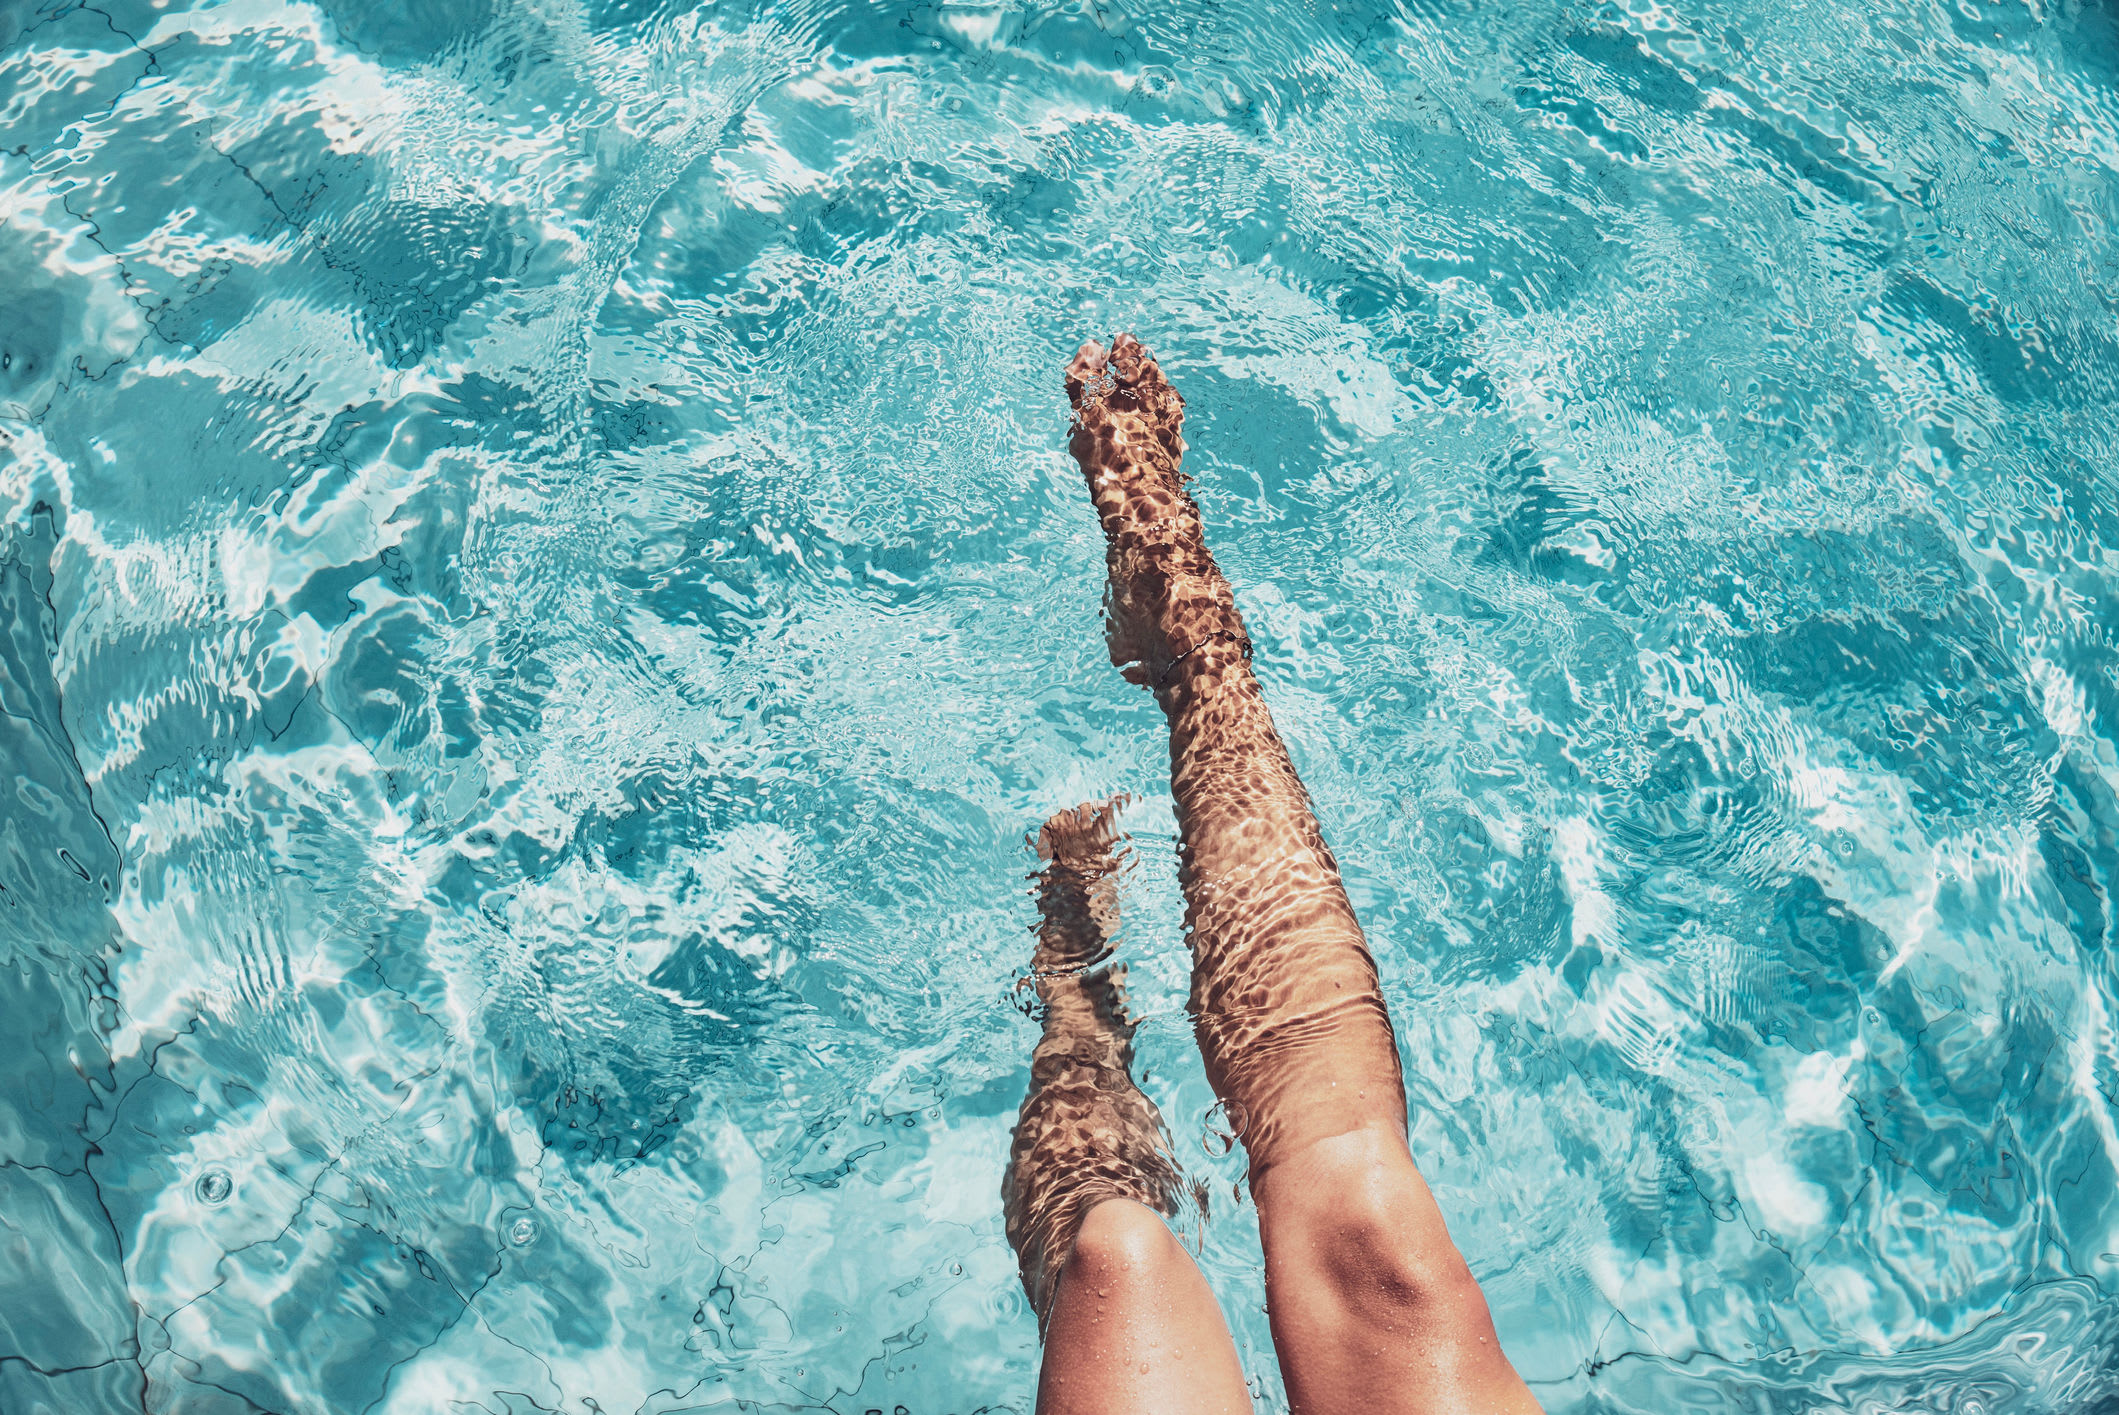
pixel 1169 614
pixel 1078 888
pixel 1084 837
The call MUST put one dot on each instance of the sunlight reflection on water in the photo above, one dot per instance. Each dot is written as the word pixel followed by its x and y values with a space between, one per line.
pixel 543 591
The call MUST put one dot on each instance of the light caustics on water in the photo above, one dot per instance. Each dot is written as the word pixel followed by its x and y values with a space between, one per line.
pixel 543 589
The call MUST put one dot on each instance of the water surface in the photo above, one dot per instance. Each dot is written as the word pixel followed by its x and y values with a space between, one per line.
pixel 543 591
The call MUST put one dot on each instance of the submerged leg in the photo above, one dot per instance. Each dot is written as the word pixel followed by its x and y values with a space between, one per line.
pixel 1129 1323
pixel 1372 1306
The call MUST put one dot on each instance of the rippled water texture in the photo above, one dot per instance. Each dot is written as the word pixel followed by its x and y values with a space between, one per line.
pixel 543 591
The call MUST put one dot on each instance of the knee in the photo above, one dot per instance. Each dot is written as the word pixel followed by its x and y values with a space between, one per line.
pixel 1374 1255
pixel 1122 1241
pixel 1353 1226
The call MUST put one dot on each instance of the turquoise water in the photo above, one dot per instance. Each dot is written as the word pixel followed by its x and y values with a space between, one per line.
pixel 543 592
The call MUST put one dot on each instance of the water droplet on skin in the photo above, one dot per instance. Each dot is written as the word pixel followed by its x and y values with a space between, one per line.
pixel 1224 1127
pixel 523 1232
pixel 214 1187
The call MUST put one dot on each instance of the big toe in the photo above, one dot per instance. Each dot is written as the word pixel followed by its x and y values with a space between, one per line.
pixel 1088 363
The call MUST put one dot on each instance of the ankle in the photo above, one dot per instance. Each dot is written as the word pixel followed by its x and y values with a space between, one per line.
pixel 1181 620
pixel 1210 674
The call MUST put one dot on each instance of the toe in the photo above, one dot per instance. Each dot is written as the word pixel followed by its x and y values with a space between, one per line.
pixel 1088 365
pixel 1083 834
pixel 1150 391
pixel 1135 364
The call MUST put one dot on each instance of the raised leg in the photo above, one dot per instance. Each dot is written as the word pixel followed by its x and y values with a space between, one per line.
pixel 1372 1306
pixel 1129 1323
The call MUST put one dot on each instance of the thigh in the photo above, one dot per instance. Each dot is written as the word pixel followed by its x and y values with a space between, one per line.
pixel 1135 1329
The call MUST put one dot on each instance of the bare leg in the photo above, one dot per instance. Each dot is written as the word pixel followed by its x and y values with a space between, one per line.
pixel 1372 1306
pixel 1129 1323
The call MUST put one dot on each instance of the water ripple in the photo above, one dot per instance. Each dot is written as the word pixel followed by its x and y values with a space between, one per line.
pixel 541 592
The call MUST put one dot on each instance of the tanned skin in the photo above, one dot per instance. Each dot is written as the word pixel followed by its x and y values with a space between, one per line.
pixel 1372 1307
pixel 1091 1173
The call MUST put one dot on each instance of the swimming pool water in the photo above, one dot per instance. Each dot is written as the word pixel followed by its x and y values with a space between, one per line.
pixel 543 591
